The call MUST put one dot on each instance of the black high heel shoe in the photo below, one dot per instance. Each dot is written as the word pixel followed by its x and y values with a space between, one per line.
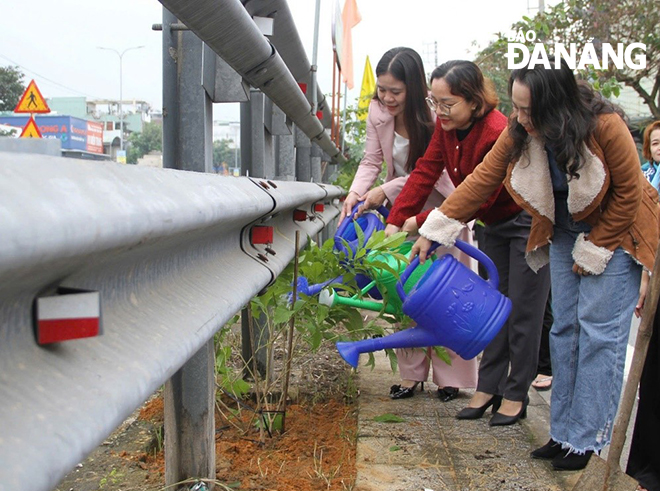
pixel 447 394
pixel 548 451
pixel 398 392
pixel 500 419
pixel 571 461
pixel 478 412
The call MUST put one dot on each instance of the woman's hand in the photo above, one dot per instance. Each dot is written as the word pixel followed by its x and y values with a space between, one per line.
pixel 579 270
pixel 349 203
pixel 421 249
pixel 372 200
pixel 391 229
pixel 643 285
pixel 410 226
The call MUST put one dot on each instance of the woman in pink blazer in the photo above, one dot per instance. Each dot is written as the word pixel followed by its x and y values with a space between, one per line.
pixel 399 128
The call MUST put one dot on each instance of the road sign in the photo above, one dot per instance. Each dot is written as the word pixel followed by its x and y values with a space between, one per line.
pixel 32 101
pixel 31 130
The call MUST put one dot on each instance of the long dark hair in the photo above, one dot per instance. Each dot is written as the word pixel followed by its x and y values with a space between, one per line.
pixel 466 80
pixel 405 65
pixel 564 111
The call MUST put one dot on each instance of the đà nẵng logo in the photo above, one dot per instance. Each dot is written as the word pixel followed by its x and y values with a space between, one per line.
pixel 518 54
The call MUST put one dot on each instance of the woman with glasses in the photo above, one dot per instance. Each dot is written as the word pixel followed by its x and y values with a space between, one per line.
pixel 399 127
pixel 568 158
pixel 468 125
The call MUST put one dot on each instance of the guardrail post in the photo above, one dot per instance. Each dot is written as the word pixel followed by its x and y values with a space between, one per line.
pixel 256 141
pixel 317 173
pixel 303 156
pixel 189 395
pixel 285 161
pixel 257 161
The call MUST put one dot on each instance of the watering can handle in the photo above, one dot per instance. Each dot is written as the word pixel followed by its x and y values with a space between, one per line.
pixel 344 223
pixel 493 277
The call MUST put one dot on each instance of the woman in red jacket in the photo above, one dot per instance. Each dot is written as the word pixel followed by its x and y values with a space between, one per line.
pixel 467 127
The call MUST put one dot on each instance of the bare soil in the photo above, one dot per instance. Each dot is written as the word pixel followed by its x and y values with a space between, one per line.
pixel 316 452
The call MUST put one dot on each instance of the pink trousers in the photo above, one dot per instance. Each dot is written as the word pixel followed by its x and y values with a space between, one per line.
pixel 414 363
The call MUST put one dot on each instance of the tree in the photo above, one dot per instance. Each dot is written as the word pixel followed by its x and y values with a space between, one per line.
pixel 596 22
pixel 140 144
pixel 355 135
pixel 224 153
pixel 11 87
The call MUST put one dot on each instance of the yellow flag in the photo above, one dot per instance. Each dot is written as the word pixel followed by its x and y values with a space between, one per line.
pixel 366 91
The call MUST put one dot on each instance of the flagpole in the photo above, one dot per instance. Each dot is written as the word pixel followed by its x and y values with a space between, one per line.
pixel 334 80
pixel 343 123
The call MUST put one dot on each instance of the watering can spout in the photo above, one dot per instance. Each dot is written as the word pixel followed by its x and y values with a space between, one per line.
pixel 415 337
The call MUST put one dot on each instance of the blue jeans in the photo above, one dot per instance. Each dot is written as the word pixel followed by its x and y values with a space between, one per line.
pixel 588 342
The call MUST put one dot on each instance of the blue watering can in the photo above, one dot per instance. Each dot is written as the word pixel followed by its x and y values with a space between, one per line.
pixel 387 283
pixel 452 306
pixel 347 234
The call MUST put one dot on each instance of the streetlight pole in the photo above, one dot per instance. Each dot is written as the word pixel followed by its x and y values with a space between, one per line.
pixel 121 94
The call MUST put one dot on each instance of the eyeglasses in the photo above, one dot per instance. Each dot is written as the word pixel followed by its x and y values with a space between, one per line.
pixel 445 109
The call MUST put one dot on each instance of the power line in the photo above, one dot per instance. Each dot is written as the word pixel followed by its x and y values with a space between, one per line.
pixel 47 79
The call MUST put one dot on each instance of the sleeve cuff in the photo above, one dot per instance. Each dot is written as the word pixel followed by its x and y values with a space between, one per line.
pixel 589 256
pixel 438 227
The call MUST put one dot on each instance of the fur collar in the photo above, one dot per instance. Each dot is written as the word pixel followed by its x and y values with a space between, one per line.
pixel 530 178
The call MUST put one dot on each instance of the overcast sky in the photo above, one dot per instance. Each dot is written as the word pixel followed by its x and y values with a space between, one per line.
pixel 56 42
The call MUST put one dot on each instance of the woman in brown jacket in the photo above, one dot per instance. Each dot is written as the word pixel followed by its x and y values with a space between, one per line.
pixel 568 159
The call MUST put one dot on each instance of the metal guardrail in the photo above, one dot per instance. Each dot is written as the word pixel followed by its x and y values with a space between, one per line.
pixel 227 28
pixel 170 253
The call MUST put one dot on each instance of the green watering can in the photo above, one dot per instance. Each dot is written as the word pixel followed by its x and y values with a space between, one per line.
pixel 385 281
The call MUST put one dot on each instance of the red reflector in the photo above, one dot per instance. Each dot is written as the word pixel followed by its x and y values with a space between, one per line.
pixel 319 114
pixel 262 235
pixel 72 314
pixel 303 87
pixel 299 215
pixel 56 330
pixel 319 207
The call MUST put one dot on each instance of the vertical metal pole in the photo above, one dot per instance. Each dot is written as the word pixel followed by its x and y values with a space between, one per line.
pixel 170 91
pixel 317 15
pixel 189 395
pixel 189 398
pixel 303 156
pixel 315 163
pixel 254 163
pixel 285 158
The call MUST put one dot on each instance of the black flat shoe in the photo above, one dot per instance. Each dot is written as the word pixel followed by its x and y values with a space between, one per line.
pixel 478 412
pixel 548 451
pixel 398 392
pixel 500 419
pixel 447 394
pixel 569 461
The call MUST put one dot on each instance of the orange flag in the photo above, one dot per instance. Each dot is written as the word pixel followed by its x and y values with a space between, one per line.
pixel 350 17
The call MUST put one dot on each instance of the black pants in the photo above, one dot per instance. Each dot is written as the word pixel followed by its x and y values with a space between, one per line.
pixel 509 362
pixel 544 365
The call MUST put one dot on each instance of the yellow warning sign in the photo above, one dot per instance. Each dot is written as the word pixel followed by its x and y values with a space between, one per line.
pixel 32 101
pixel 31 130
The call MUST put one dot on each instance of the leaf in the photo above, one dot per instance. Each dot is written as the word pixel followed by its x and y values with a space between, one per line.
pixel 394 363
pixel 282 314
pixel 441 353
pixel 395 448
pixel 316 339
pixel 388 418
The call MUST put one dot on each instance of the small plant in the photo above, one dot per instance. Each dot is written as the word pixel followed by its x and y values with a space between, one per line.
pixel 388 418
pixel 112 478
